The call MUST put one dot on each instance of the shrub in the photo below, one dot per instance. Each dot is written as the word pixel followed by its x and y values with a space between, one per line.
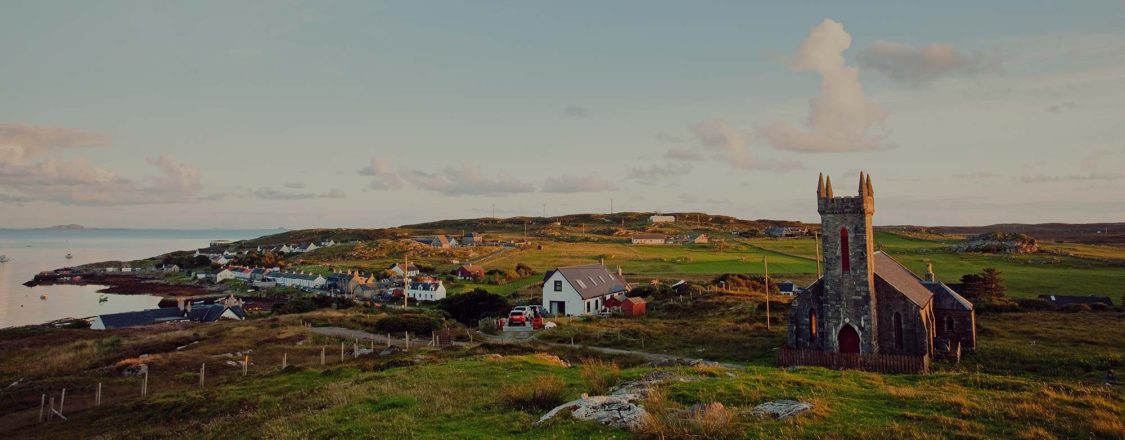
pixel 996 305
pixel 296 305
pixel 545 393
pixel 417 324
pixel 665 421
pixel 499 276
pixel 599 375
pixel 468 308
pixel 745 283
pixel 1034 304
pixel 524 270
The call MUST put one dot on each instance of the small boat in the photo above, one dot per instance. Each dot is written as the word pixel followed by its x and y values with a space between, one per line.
pixel 43 296
pixel 3 258
pixel 103 298
pixel 69 256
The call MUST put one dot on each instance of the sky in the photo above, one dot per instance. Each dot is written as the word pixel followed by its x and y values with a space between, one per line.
pixel 248 114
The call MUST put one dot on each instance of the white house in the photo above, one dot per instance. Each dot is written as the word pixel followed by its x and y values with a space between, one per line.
pixel 241 273
pixel 220 275
pixel 580 290
pixel 221 260
pixel 397 269
pixel 303 247
pixel 426 291
pixel 293 279
pixel 649 239
pixel 662 219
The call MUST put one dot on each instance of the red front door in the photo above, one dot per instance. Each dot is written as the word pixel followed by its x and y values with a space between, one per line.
pixel 848 340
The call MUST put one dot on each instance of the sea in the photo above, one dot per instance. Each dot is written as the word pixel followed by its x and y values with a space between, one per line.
pixel 31 251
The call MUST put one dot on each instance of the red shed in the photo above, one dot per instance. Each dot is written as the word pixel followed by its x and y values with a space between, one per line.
pixel 633 306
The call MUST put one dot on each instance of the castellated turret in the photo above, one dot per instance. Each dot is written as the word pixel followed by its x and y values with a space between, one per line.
pixel 827 203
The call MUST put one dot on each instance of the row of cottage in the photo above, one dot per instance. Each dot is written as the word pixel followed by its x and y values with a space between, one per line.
pixel 355 283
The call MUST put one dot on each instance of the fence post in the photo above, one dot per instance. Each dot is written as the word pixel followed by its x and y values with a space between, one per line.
pixel 322 355
pixel 341 351
pixel 284 360
pixel 51 414
pixel 202 373
pixel 98 396
pixel 407 341
pixel 388 340
pixel 355 349
pixel 144 385
pixel 245 364
pixel 62 401
pixel 42 405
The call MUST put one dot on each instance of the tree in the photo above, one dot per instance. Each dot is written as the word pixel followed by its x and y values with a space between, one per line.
pixel 468 308
pixel 524 270
pixel 986 285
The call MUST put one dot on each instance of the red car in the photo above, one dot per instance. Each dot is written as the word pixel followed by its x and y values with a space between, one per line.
pixel 517 318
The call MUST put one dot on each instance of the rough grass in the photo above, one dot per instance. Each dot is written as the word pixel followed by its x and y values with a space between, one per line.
pixel 539 395
pixel 599 375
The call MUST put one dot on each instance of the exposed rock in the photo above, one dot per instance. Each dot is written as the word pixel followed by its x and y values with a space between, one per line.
pixel 999 243
pixel 135 370
pixel 683 362
pixel 781 409
pixel 618 411
pixel 389 351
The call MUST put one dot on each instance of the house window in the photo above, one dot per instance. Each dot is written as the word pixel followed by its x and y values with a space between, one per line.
pixel 949 325
pixel 898 330
pixel 587 307
pixel 812 326
pixel 558 286
pixel 845 255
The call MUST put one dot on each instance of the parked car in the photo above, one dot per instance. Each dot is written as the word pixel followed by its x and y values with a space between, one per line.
pixel 517 318
pixel 537 310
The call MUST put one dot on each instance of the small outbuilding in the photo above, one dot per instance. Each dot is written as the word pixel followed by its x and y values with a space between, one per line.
pixel 633 306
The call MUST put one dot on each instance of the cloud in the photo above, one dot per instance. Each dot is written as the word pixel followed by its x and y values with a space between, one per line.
pixel 275 194
pixel 1061 107
pixel 977 175
pixel 840 118
pixel 76 182
pixel 918 66
pixel 1088 177
pixel 383 175
pixel 20 142
pixel 294 185
pixel 729 145
pixel 575 111
pixel 675 153
pixel 659 173
pixel 567 184
pixel 467 180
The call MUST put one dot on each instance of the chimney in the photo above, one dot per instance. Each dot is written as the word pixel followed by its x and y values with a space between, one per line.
pixel 929 272
pixel 619 270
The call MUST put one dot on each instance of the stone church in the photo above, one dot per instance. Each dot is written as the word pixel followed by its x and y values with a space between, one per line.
pixel 866 302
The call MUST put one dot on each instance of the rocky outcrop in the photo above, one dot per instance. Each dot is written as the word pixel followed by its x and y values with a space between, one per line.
pixel 616 410
pixel 781 409
pixel 999 243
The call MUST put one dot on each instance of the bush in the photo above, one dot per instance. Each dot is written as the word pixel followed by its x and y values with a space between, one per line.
pixel 996 305
pixel 468 308
pixel 599 375
pixel 1030 304
pixel 417 324
pixel 499 276
pixel 524 270
pixel 296 305
pixel 545 393
pixel 745 283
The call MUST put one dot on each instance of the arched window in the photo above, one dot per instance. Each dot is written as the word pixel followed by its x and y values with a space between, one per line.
pixel 948 324
pixel 845 255
pixel 898 330
pixel 812 326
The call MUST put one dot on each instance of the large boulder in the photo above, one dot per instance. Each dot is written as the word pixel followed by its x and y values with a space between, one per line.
pixel 781 409
pixel 618 411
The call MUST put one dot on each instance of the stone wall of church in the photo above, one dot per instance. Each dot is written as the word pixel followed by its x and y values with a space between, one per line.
pixel 849 295
pixel 916 322
pixel 800 322
pixel 964 327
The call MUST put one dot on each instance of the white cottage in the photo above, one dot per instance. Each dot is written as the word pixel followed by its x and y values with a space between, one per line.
pixel 426 291
pixel 580 290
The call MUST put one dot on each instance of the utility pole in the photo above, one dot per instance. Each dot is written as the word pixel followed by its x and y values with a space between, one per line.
pixel 406 281
pixel 494 211
pixel 544 210
pixel 610 206
pixel 766 270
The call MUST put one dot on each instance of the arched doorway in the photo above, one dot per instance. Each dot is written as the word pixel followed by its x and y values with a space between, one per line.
pixel 848 339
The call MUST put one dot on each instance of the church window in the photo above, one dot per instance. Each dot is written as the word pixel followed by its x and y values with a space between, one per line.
pixel 845 255
pixel 898 330
pixel 812 326
pixel 949 324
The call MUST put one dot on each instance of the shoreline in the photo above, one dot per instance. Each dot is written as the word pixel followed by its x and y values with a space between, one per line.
pixel 123 284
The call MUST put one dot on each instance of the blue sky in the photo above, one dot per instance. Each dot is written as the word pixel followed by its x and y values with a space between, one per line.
pixel 303 114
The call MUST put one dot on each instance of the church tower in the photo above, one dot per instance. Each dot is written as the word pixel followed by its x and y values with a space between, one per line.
pixel 849 304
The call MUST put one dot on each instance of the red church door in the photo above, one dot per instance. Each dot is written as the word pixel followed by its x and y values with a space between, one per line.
pixel 848 340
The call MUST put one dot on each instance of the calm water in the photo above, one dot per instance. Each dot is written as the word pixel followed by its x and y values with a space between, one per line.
pixel 32 251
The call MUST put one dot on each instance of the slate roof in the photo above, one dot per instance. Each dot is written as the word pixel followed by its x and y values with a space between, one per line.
pixel 786 286
pixel 292 275
pixel 592 280
pixel 143 317
pixel 946 298
pixel 902 279
pixel 1064 300
pixel 212 312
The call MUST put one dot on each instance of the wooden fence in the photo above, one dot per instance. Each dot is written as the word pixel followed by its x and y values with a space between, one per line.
pixel 881 363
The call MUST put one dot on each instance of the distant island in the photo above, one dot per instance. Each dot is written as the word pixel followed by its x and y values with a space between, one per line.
pixel 65 228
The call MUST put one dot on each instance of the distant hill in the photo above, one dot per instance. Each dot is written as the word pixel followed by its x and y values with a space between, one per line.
pixel 65 228
pixel 1089 233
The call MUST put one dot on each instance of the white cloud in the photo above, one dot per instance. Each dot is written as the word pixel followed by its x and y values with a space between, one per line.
pixel 276 194
pixel 20 142
pixel 467 180
pixel 918 66
pixel 729 145
pixel 676 153
pixel 840 118
pixel 383 175
pixel 659 172
pixel 575 184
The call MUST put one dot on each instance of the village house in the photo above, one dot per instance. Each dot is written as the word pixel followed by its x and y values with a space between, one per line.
pixel 469 272
pixel 580 290
pixel 428 290
pixel 169 268
pixel 213 312
pixel 866 302
pixel 221 260
pixel 241 273
pixel 472 239
pixel 301 248
pixel 649 239
pixel 347 283
pixel 412 271
pixel 662 219
pixel 786 231
pixel 440 241
pixel 700 239
pixel 294 279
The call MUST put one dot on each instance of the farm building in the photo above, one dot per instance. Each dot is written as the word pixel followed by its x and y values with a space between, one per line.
pixel 469 272
pixel 662 219
pixel 866 302
pixel 649 239
pixel 135 319
pixel 214 312
pixel 580 290
pixel 633 306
